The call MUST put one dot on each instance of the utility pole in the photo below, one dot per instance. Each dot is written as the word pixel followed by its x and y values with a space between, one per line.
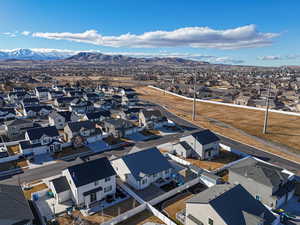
pixel 194 101
pixel 267 110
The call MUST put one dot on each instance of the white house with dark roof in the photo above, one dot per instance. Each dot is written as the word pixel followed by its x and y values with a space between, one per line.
pixel 89 183
pixel 42 93
pixel 59 119
pixel 142 168
pixel 97 116
pixel 227 204
pixel 152 118
pixel 41 140
pixel 37 111
pixel 204 145
pixel 81 106
pixel 271 185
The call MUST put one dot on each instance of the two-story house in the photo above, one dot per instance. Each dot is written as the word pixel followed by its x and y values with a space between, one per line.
pixel 59 119
pixel 55 94
pixel 271 185
pixel 30 102
pixel 97 116
pixel 87 183
pixel 81 106
pixel 15 129
pixel 142 168
pixel 42 93
pixel 152 118
pixel 227 204
pixel 119 127
pixel 37 111
pixel 41 140
pixel 63 102
pixel 203 145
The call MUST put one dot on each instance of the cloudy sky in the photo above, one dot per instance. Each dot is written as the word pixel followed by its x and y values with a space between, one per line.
pixel 256 32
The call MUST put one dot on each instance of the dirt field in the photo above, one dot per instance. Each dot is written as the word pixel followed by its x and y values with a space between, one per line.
pixel 141 218
pixel 225 158
pixel 176 204
pixel 35 188
pixel 235 122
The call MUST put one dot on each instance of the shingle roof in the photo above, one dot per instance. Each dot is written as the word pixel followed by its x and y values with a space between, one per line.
pixel 149 161
pixel 66 114
pixel 148 113
pixel 37 133
pixel 14 208
pixel 243 208
pixel 18 122
pixel 119 123
pixel 38 108
pixel 259 171
pixel 205 137
pixel 91 171
pixel 65 99
pixel 76 126
pixel 97 115
pixel 60 184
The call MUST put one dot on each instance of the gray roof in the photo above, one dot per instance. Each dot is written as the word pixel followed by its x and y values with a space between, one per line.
pixel 148 113
pixel 66 114
pixel 260 171
pixel 148 162
pixel 60 184
pixel 38 108
pixel 91 171
pixel 77 126
pixel 119 123
pixel 37 133
pixel 14 208
pixel 18 122
pixel 243 208
pixel 205 137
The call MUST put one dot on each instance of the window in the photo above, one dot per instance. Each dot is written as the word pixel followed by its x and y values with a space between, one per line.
pixel 96 183
pixel 93 197
pixel 107 179
pixel 144 181
pixel 108 188
pixel 257 197
pixel 210 221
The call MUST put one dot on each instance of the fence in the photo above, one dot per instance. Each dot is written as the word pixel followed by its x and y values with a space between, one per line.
pixel 230 164
pixel 161 216
pixel 227 104
pixel 179 160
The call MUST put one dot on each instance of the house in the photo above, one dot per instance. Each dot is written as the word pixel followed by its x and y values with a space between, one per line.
pixel 42 93
pixel 14 208
pixel 119 127
pixel 79 132
pixel 91 96
pixel 41 140
pixel 16 129
pixel 271 185
pixel 227 204
pixel 63 102
pixel 130 113
pixel 55 94
pixel 30 102
pixel 81 106
pixel 86 184
pixel 37 111
pixel 97 116
pixel 130 99
pixel 76 94
pixel 152 118
pixel 203 145
pixel 7 113
pixel 2 102
pixel 142 168
pixel 127 91
pixel 16 97
pixel 60 118
pixel 58 87
pixel 19 89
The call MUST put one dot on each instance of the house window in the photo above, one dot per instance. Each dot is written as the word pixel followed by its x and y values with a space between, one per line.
pixel 144 181
pixel 257 197
pixel 93 197
pixel 107 179
pixel 108 188
pixel 210 221
pixel 96 183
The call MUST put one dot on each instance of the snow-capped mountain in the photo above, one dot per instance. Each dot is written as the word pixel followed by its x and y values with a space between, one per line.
pixel 35 54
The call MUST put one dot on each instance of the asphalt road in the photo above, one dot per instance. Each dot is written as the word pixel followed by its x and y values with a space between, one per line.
pixel 56 168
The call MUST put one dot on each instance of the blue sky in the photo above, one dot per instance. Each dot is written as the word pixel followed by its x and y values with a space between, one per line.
pixel 256 32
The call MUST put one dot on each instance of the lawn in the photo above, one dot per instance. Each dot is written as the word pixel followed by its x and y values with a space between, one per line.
pixel 13 149
pixel 237 123
pixel 141 218
pixel 176 204
pixel 33 189
pixel 70 151
pixel 13 165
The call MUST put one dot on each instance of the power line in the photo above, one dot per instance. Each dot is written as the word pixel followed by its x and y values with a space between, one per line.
pixel 267 110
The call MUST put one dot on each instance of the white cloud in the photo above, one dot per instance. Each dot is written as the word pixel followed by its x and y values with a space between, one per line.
pixel 25 32
pixel 196 37
pixel 279 57
pixel 9 34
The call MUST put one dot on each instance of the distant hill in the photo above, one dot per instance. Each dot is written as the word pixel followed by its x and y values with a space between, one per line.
pixel 121 59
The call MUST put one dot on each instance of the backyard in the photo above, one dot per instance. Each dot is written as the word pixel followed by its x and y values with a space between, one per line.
pixel 34 188
pixel 141 218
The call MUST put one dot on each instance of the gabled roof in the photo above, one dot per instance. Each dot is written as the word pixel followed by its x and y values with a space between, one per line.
pixel 148 113
pixel 65 99
pixel 8 110
pixel 38 108
pixel 205 137
pixel 37 133
pixel 91 171
pixel 30 100
pixel 66 114
pixel 97 115
pixel 146 162
pixel 60 184
pixel 18 122
pixel 119 123
pixel 260 171
pixel 76 126
pixel 14 208
pixel 242 208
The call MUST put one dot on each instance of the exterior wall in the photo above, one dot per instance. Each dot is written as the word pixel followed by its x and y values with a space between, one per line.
pixel 58 122
pixel 254 188
pixel 181 151
pixel 202 212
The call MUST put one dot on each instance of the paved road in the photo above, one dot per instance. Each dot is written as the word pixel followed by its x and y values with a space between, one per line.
pixel 56 168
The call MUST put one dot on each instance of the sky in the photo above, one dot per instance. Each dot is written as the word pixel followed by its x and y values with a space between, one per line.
pixel 256 32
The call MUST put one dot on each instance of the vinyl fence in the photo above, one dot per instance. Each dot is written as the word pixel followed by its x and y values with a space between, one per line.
pixel 226 104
